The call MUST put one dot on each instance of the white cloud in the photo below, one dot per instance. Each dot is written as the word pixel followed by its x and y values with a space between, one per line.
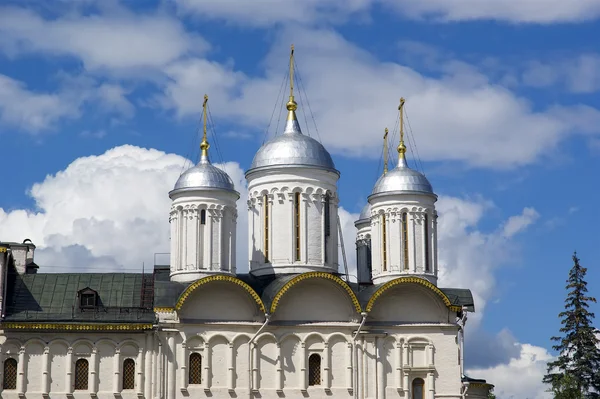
pixel 518 223
pixel 123 40
pixel 523 11
pixel 521 377
pixel 34 111
pixel 461 116
pixel 274 12
pixel 578 74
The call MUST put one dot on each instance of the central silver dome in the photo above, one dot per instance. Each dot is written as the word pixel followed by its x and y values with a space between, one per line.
pixel 204 176
pixel 292 148
pixel 403 179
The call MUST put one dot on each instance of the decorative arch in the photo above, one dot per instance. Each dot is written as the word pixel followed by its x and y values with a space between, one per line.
pixel 219 277
pixel 310 275
pixel 411 280
pixel 336 334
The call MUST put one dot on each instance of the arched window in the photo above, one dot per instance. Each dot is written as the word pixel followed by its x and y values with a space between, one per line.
pixel 266 212
pixel 81 375
pixel 203 216
pixel 426 233
pixel 297 225
pixel 195 369
pixel 128 374
pixel 418 388
pixel 384 241
pixel 405 239
pixel 10 374
pixel 314 369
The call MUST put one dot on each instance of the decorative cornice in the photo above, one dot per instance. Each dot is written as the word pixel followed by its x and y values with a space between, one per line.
pixel 309 275
pixel 164 310
pixel 411 280
pixel 219 277
pixel 76 327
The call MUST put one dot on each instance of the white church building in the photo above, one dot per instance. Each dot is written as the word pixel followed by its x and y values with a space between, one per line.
pixel 293 327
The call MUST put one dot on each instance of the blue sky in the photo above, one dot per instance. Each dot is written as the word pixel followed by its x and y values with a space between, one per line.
pixel 99 103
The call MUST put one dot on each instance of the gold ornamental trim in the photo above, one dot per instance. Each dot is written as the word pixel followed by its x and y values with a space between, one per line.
pixel 219 277
pixel 164 310
pixel 3 249
pixel 411 280
pixel 76 327
pixel 309 275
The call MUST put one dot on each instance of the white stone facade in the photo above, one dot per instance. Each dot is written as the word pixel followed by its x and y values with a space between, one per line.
pixel 285 238
pixel 203 231
pixel 410 236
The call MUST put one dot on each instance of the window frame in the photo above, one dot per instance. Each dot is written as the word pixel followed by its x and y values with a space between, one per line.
pixel 126 362
pixel 384 242
pixel 14 363
pixel 312 371
pixel 404 222
pixel 418 381
pixel 199 373
pixel 83 385
pixel 266 227
pixel 297 224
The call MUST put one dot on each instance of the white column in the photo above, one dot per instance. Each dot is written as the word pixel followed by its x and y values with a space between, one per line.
pixel 292 213
pixel 360 383
pixel 172 359
pixel 174 242
pixel 430 350
pixel 148 369
pixel 139 372
pixel 279 382
pixel 231 367
pixel 431 386
pixel 117 371
pixel 326 366
pixel 424 241
pixel 206 364
pixel 220 218
pixel 211 237
pixel 406 365
pixel 270 205
pixel 21 372
pixel 349 364
pixel 199 244
pixel 323 238
pixel 69 371
pixel 412 247
pixel 180 239
pixel 183 368
pixel 398 365
pixel 251 236
pixel 304 229
pixel 46 371
pixel 255 366
pixel 233 258
pixel 379 368
pixel 93 387
pixel 303 371
pixel 434 263
pixel 160 375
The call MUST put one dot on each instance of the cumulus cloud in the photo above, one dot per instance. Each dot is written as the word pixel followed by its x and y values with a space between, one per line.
pixel 521 377
pixel 518 223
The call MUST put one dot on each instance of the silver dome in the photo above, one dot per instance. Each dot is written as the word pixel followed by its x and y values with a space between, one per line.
pixel 365 213
pixel 293 148
pixel 403 179
pixel 204 176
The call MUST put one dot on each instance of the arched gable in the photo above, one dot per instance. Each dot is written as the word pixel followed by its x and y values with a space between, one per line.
pixel 221 297
pixel 320 276
pixel 409 299
pixel 411 280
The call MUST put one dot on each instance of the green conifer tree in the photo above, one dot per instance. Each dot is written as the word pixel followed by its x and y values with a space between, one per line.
pixel 576 372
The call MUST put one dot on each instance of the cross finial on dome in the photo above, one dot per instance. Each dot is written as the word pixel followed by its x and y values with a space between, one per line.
pixel 204 145
pixel 401 146
pixel 385 151
pixel 292 125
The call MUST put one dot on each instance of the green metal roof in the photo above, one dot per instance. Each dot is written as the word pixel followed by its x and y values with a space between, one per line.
pixel 53 297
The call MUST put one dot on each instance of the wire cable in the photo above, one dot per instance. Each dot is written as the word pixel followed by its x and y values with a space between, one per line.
pixel 283 81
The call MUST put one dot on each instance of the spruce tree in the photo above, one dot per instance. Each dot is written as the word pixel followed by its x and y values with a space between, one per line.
pixel 576 372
